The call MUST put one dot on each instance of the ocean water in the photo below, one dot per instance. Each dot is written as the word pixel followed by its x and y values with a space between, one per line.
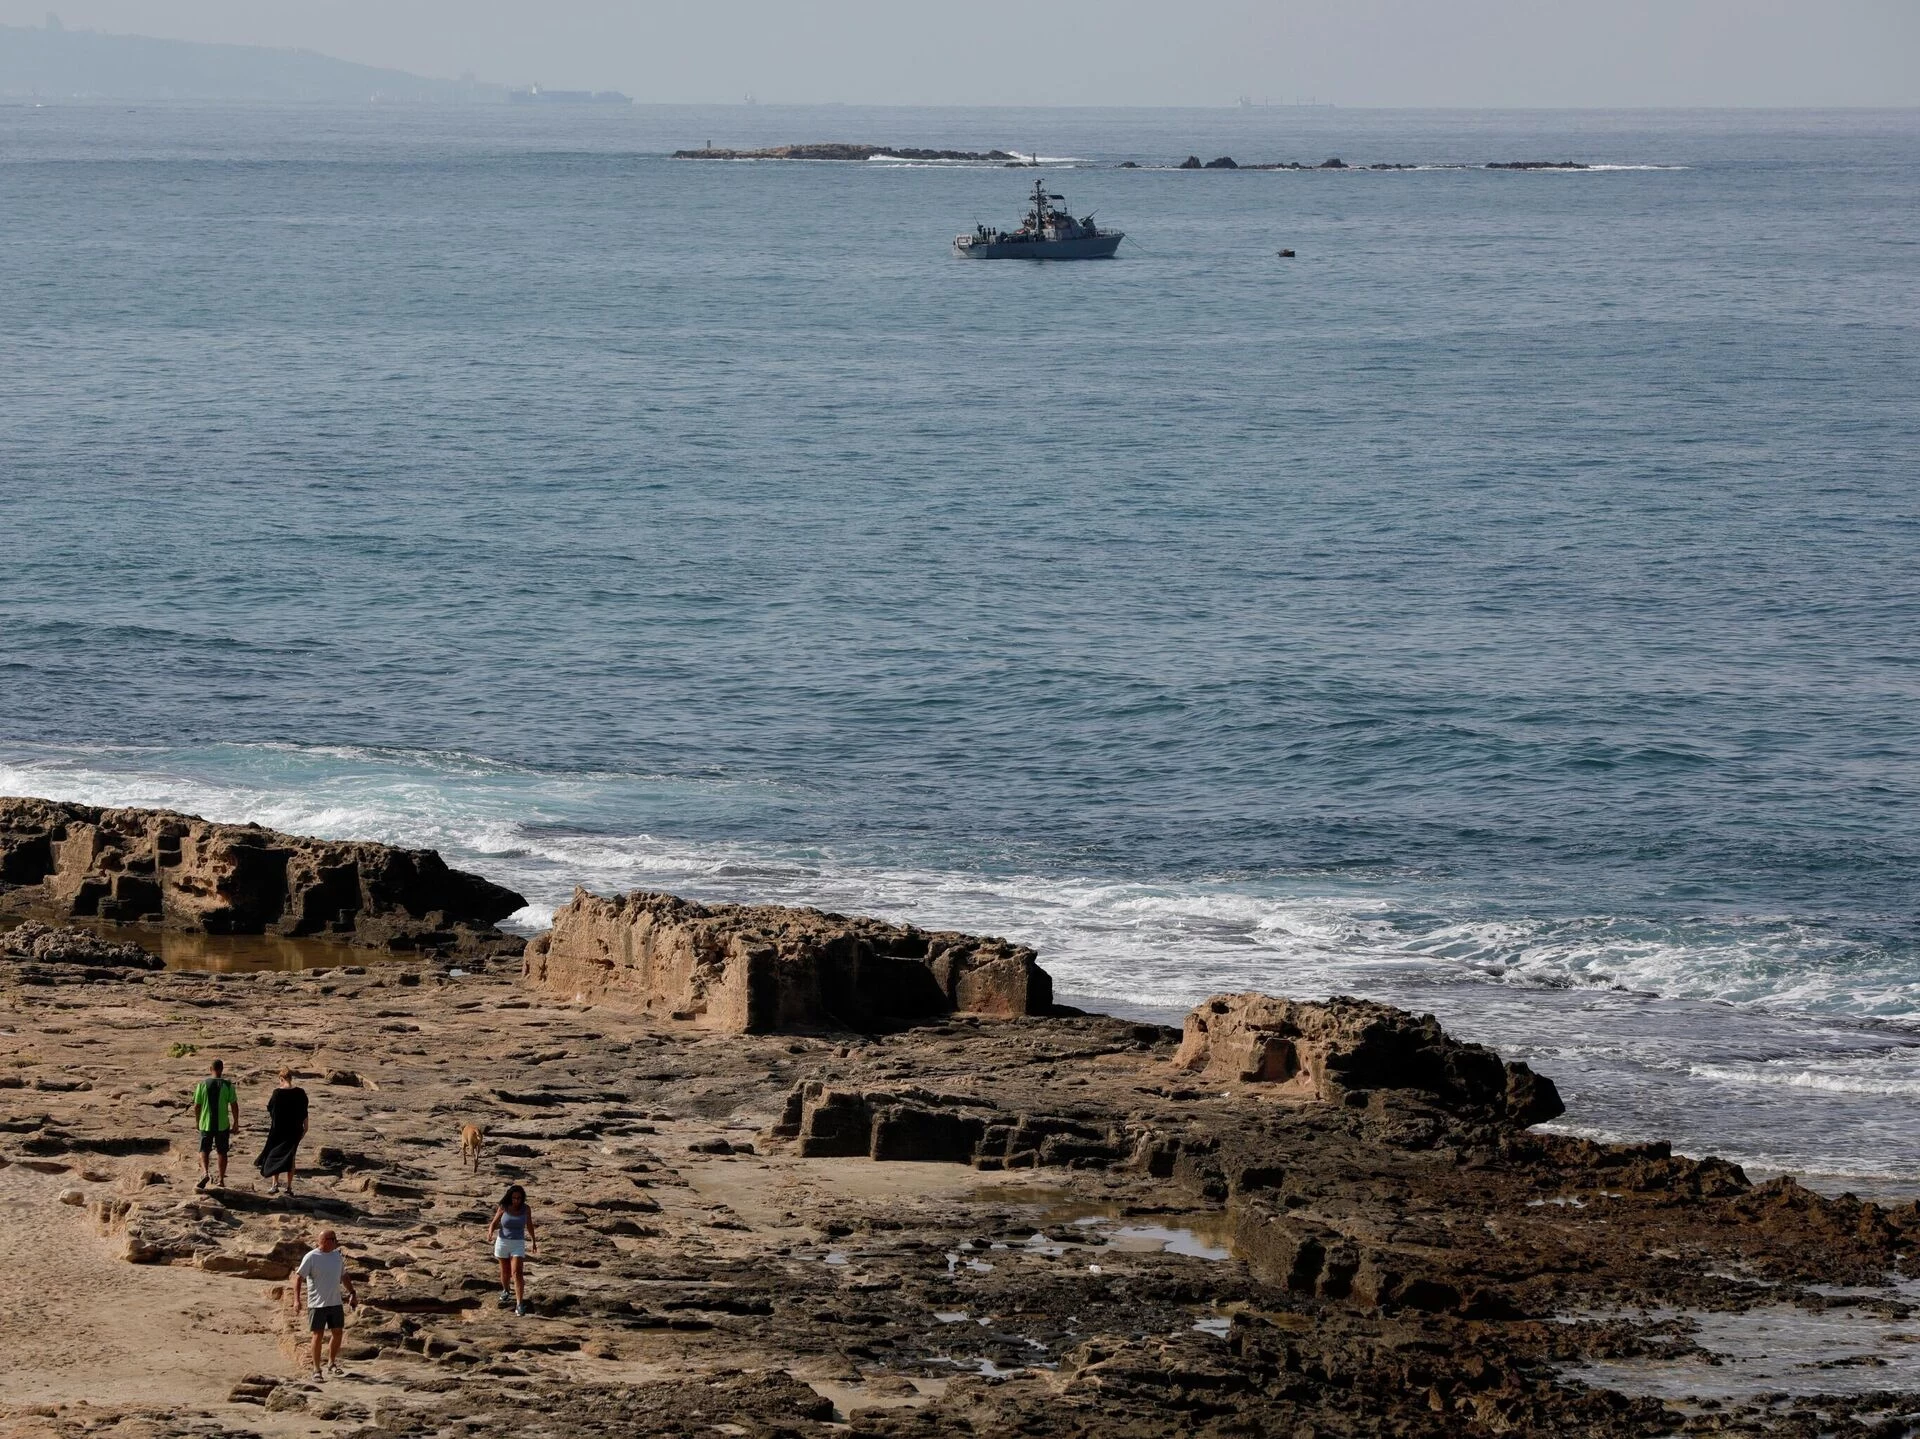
pixel 1507 608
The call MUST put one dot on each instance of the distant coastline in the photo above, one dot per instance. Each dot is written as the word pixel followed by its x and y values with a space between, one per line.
pixel 55 63
pixel 538 95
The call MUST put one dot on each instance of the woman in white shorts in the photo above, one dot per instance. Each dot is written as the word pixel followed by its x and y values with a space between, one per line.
pixel 513 1236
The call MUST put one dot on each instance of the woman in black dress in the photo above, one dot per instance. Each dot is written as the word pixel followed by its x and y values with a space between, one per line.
pixel 286 1127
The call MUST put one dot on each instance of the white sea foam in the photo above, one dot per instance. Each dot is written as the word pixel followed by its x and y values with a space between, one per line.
pixel 1151 944
pixel 1559 991
pixel 1898 1075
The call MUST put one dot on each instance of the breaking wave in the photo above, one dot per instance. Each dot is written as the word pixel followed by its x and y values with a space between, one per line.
pixel 1145 942
pixel 1789 1030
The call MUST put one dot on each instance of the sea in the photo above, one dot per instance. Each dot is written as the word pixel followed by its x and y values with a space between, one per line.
pixel 1506 607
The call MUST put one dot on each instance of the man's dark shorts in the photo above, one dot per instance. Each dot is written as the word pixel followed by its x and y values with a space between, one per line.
pixel 327 1316
pixel 211 1139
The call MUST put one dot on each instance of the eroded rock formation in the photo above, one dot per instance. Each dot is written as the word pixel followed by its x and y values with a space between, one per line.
pixel 1340 1053
pixel 180 872
pixel 1336 1051
pixel 33 943
pixel 829 1122
pixel 757 969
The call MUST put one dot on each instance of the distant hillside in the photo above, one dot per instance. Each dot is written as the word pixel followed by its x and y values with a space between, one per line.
pixel 65 64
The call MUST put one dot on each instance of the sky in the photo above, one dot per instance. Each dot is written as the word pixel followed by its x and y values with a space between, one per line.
pixel 1472 53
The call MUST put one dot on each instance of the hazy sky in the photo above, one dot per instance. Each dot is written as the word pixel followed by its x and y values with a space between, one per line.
pixel 1092 52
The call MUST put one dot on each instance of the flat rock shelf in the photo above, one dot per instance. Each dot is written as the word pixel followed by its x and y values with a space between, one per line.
pixel 1292 1219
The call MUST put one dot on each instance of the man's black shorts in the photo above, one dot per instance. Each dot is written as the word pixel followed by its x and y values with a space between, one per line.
pixel 327 1316
pixel 212 1139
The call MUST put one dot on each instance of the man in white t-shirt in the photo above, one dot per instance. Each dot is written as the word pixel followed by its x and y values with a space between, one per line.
pixel 323 1275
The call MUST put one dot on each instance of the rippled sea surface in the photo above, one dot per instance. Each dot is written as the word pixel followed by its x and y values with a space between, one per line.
pixel 1508 607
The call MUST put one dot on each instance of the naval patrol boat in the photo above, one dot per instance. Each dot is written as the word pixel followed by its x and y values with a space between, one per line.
pixel 1046 234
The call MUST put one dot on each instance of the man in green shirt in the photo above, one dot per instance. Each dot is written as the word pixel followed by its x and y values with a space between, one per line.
pixel 216 1106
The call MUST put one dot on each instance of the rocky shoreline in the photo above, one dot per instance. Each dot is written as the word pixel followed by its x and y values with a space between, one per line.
pixel 184 874
pixel 767 1209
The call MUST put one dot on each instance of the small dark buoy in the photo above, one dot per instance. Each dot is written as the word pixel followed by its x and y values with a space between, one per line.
pixel 1286 254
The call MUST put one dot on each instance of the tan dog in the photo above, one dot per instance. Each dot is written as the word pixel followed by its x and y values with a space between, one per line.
pixel 472 1136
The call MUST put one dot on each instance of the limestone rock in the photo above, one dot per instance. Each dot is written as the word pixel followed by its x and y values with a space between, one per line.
pixel 1531 1098
pixel 912 1132
pixel 274 1263
pixel 1328 1052
pixel 756 969
pixel 38 943
pixel 157 867
pixel 254 1389
pixel 917 1125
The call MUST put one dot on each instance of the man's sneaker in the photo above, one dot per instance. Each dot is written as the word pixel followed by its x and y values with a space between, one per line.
pixel 520 1309
pixel 506 1299
pixel 202 1185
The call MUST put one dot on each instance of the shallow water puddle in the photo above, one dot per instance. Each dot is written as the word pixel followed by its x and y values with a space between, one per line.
pixel 228 953
pixel 1160 1239
pixel 1779 1348
pixel 1201 1236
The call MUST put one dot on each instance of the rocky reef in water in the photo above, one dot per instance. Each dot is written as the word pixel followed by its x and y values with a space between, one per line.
pixel 66 861
pixel 841 151
pixel 1227 162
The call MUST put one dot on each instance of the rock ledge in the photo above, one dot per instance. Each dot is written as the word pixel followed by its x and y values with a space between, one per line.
pixel 180 872
pixel 757 969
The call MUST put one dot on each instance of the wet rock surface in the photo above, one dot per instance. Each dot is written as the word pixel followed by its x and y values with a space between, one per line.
pixel 155 867
pixel 1040 1225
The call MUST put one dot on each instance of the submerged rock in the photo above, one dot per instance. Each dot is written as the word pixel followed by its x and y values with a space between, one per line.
pixel 180 872
pixel 755 969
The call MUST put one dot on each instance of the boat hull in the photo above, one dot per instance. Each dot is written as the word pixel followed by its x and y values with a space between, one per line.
pixel 1088 247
